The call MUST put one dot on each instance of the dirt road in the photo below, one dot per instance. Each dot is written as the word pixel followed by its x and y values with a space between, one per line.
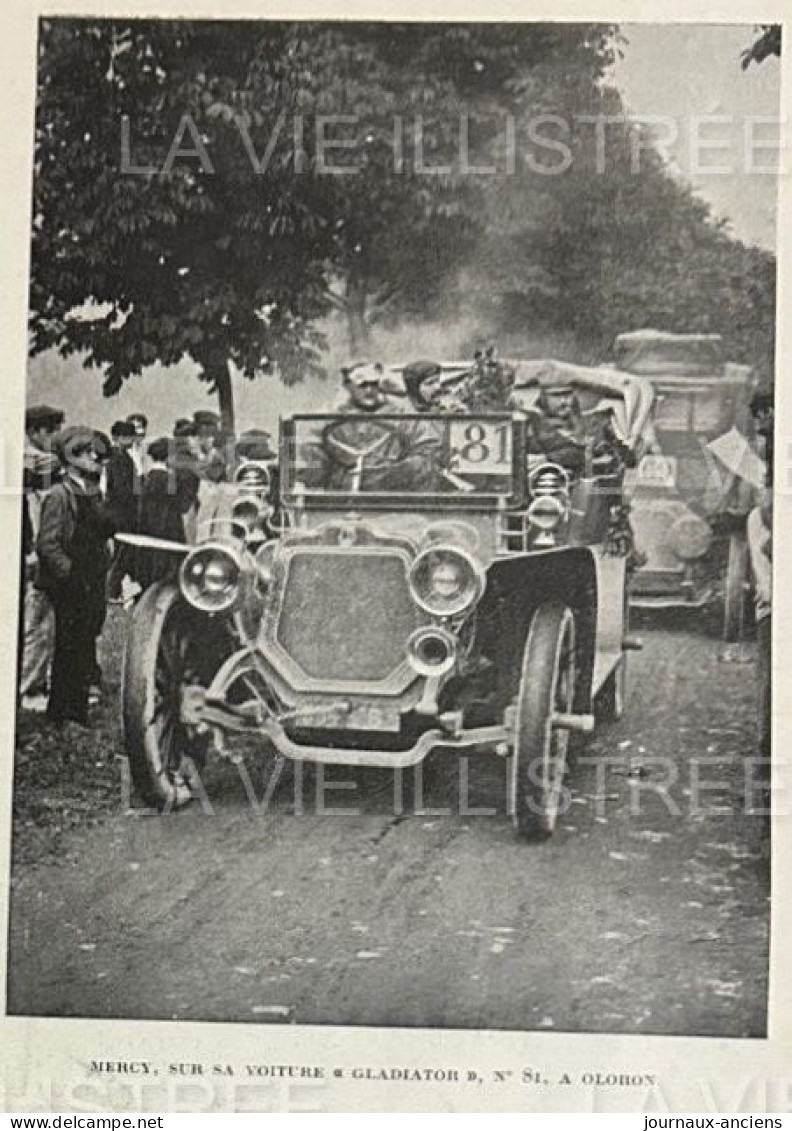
pixel 647 912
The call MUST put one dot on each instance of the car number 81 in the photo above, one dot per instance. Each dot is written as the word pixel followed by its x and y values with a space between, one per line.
pixel 481 446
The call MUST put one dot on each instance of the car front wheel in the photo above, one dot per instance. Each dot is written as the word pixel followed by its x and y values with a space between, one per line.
pixel 736 587
pixel 610 701
pixel 547 688
pixel 161 659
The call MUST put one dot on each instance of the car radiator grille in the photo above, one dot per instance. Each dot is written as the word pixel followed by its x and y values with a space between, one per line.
pixel 651 526
pixel 346 615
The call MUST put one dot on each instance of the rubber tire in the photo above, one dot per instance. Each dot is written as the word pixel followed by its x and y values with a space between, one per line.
pixel 735 589
pixel 610 700
pixel 535 814
pixel 609 704
pixel 150 775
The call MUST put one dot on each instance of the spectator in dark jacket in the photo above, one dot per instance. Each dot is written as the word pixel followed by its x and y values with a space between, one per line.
pixel 213 445
pixel 122 494
pixel 139 422
pixel 187 450
pixel 73 561
pixel 187 460
pixel 42 469
pixel 168 494
pixel 121 484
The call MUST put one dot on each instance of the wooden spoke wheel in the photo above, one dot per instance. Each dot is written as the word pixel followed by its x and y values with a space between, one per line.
pixel 161 660
pixel 547 688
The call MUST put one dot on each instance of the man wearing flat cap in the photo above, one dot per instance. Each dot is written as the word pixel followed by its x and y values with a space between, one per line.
pixel 41 465
pixel 74 557
pixel 139 422
pixel 36 636
pixel 187 450
pixel 583 444
pixel 255 444
pixel 207 422
pixel 212 464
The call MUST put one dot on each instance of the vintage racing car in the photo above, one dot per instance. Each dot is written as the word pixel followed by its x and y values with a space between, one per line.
pixel 431 587
pixel 689 503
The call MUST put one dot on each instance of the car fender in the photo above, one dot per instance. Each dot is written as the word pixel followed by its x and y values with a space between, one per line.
pixel 517 585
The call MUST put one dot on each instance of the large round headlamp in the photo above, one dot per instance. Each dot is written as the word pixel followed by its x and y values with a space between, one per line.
pixel 690 537
pixel 446 581
pixel 253 476
pixel 211 577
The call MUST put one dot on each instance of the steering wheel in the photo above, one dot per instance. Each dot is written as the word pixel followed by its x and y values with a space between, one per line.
pixel 354 455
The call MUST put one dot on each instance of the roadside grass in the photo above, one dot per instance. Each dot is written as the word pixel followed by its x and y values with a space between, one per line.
pixel 72 778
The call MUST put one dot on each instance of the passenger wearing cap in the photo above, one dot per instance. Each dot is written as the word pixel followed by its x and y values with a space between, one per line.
pixel 428 391
pixel 36 629
pixel 74 558
pixel 583 444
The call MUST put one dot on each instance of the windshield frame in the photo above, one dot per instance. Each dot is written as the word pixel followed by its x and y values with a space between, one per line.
pixel 404 500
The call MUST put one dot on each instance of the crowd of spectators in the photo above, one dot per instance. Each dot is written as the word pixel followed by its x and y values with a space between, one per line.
pixel 82 489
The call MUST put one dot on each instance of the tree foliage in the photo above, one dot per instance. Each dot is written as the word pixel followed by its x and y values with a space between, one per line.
pixel 767 43
pixel 178 262
pixel 614 241
pixel 182 191
pixel 211 190
pixel 460 93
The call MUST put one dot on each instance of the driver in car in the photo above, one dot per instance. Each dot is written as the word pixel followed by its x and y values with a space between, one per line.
pixel 366 389
pixel 370 453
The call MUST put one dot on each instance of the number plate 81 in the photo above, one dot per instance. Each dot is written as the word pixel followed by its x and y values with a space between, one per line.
pixel 481 446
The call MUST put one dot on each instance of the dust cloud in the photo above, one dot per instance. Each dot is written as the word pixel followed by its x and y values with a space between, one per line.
pixel 164 394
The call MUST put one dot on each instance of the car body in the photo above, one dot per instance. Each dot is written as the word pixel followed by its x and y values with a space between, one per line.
pixel 427 590
pixel 690 498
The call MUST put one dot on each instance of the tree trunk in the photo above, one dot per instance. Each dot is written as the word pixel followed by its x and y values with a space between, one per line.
pixel 218 374
pixel 357 328
pixel 225 396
